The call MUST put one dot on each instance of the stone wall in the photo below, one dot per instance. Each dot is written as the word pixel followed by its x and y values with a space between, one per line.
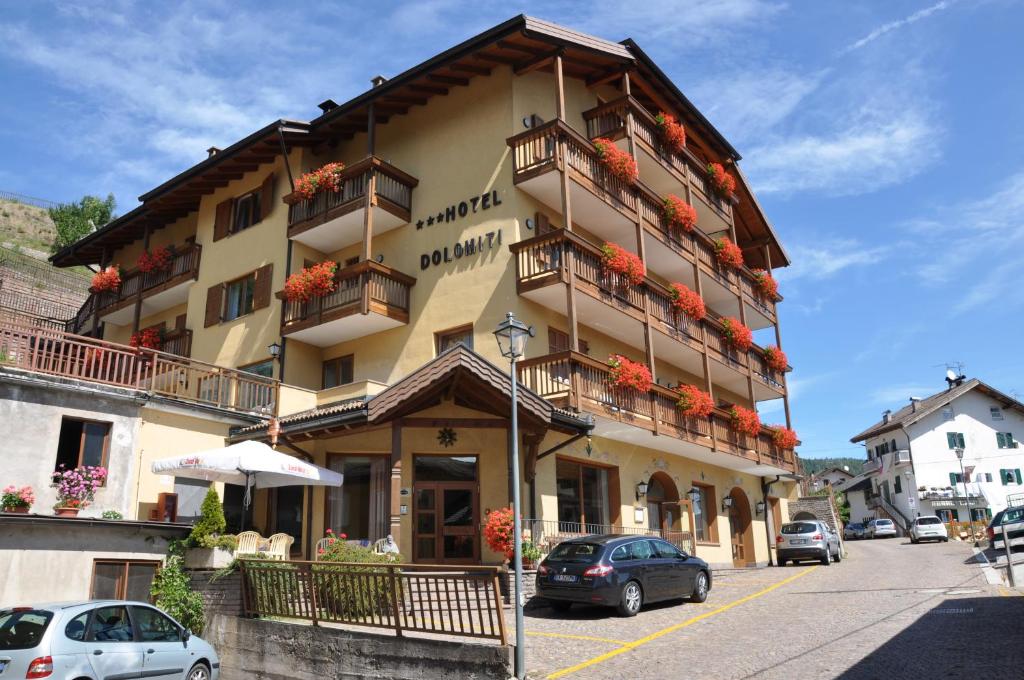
pixel 252 649
pixel 220 596
pixel 819 506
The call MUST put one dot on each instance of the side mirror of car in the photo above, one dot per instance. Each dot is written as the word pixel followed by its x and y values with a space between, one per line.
pixel 185 635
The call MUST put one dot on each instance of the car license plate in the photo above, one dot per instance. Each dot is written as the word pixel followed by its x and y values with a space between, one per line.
pixel 3 665
pixel 564 578
pixel 797 541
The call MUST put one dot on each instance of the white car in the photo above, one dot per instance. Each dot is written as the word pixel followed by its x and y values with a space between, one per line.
pixel 98 640
pixel 880 528
pixel 928 528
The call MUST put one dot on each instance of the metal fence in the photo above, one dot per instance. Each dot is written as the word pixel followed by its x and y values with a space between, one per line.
pixel 460 601
pixel 27 200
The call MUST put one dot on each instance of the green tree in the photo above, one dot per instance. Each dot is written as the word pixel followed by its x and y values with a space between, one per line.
pixel 172 592
pixel 211 520
pixel 75 220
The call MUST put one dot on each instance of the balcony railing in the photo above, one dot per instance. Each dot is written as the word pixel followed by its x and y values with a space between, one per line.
pixel 177 342
pixel 541 260
pixel 360 289
pixel 577 381
pixel 77 357
pixel 392 191
pixel 546 534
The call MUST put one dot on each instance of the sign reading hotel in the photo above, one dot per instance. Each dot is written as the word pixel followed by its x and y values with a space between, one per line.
pixel 461 209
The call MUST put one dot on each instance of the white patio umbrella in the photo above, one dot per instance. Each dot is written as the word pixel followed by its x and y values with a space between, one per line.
pixel 250 464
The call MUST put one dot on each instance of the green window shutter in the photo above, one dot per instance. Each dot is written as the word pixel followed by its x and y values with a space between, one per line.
pixel 1003 477
pixel 952 479
pixel 1009 441
pixel 960 440
pixel 1000 440
pixel 1017 473
pixel 951 439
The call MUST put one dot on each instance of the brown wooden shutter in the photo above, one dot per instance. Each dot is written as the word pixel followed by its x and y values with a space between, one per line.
pixel 261 293
pixel 214 304
pixel 179 322
pixel 543 225
pixel 222 222
pixel 267 197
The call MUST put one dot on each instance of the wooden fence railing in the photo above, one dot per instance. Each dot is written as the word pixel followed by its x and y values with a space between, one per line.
pixel 364 285
pixel 82 358
pixel 460 601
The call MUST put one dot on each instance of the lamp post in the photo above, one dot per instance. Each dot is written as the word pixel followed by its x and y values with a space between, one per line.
pixel 967 498
pixel 512 335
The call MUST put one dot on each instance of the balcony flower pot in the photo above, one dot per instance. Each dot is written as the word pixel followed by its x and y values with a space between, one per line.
pixel 736 334
pixel 17 510
pixel 721 180
pixel 619 163
pixel 106 280
pixel 208 558
pixel 694 402
pixel 148 338
pixel 60 511
pixel 679 214
pixel 687 301
pixel 766 285
pixel 776 359
pixel 728 254
pixel 328 177
pixel 156 260
pixel 673 135
pixel 744 420
pixel 17 500
pixel 311 282
pixel 617 260
pixel 628 375
pixel 783 437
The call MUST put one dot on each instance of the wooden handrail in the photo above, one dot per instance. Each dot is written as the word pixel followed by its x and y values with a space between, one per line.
pixel 359 168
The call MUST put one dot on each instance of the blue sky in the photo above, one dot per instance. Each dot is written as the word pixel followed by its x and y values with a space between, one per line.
pixel 883 139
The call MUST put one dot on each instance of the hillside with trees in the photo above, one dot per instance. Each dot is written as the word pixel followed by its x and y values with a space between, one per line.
pixel 815 465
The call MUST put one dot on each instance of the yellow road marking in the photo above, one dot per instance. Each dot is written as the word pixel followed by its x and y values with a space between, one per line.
pixel 578 637
pixel 629 646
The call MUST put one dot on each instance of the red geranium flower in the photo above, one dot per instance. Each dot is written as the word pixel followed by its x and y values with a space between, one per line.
pixel 721 180
pixel 498 531
pixel 738 335
pixel 783 437
pixel 629 374
pixel 745 420
pixel 766 284
pixel 679 213
pixel 673 135
pixel 147 338
pixel 106 280
pixel 314 281
pixel 325 178
pixel 695 402
pixel 157 260
pixel 616 259
pixel 728 253
pixel 619 163
pixel 688 302
pixel 776 359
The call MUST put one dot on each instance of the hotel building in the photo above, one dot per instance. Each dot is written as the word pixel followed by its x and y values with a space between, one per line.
pixel 472 186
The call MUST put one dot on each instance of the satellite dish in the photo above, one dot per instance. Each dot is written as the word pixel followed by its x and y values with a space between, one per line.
pixel 950 375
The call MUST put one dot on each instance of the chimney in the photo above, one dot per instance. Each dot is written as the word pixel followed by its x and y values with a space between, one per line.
pixel 377 81
pixel 886 414
pixel 212 151
pixel 327 104
pixel 914 401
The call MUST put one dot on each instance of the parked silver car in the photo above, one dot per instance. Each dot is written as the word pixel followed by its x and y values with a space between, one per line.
pixel 100 639
pixel 807 540
pixel 880 528
pixel 928 528
pixel 853 530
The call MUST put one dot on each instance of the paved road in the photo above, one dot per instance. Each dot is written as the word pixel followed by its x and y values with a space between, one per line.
pixel 889 610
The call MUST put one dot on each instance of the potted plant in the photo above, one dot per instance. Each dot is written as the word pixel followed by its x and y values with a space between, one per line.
pixel 498 532
pixel 679 214
pixel 737 334
pixel 728 254
pixel 694 402
pixel 209 546
pixel 721 180
pixel 627 374
pixel 328 177
pixel 311 282
pixel 776 359
pixel 619 163
pixel 17 500
pixel 626 265
pixel 106 280
pixel 76 488
pixel 673 135
pixel 783 437
pixel 148 338
pixel 531 554
pixel 744 420
pixel 156 260
pixel 687 301
pixel 766 284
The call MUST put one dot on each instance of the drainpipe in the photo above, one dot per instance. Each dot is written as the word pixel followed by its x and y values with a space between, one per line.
pixel 765 488
pixel 910 450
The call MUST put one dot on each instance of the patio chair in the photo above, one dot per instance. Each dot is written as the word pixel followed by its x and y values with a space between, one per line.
pixel 279 546
pixel 321 546
pixel 385 546
pixel 248 543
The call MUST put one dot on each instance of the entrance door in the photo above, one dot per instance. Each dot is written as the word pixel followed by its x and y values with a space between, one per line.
pixel 287 506
pixel 446 523
pixel 739 526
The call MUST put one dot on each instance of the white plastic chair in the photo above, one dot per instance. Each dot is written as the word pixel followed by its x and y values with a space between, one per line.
pixel 279 545
pixel 321 546
pixel 248 543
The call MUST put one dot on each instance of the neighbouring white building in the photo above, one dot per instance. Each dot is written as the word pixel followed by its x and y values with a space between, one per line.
pixel 953 454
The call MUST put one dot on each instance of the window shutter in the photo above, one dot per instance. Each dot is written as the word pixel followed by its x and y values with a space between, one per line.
pixel 1010 444
pixel 267 197
pixel 1016 473
pixel 960 440
pixel 1000 440
pixel 1003 477
pixel 222 220
pixel 952 479
pixel 951 439
pixel 214 304
pixel 261 292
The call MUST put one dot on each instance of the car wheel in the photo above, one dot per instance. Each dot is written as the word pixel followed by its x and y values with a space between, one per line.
pixel 781 562
pixel 827 558
pixel 946 540
pixel 631 600
pixel 700 588
pixel 199 672
pixel 560 605
pixel 913 540
pixel 839 555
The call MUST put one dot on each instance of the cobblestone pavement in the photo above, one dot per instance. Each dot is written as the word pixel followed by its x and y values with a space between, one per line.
pixel 888 610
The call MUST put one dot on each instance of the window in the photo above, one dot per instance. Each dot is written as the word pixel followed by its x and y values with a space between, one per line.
pixel 892 446
pixel 1004 440
pixel 704 516
pixel 620 554
pixel 885 447
pixel 955 440
pixel 357 507
pixel 445 340
pixel 1010 476
pixel 664 549
pixel 264 368
pixel 339 371
pixel 954 478
pixel 898 485
pixel 641 550
pixel 582 494
pixel 238 297
pixel 110 624
pixel 23 628
pixel 247 212
pixel 122 580
pixel 558 341
pixel 947 414
pixel 988 476
pixel 75 630
pixel 154 626
pixel 82 442
pixel 996 412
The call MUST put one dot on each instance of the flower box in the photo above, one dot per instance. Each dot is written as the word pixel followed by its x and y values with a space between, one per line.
pixel 156 260
pixel 694 402
pixel 618 162
pixel 728 254
pixel 776 359
pixel 314 281
pixel 673 135
pixel 627 374
pixel 744 420
pixel 765 284
pixel 325 178
pixel 208 558
pixel 19 500
pixel 721 180
pixel 688 302
pixel 106 280
pixel 617 260
pixel 783 437
pixel 679 214
pixel 148 338
pixel 736 334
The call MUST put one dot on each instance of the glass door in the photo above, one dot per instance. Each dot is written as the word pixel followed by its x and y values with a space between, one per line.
pixel 446 521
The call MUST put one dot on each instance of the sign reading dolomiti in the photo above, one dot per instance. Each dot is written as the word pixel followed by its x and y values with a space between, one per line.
pixel 460 249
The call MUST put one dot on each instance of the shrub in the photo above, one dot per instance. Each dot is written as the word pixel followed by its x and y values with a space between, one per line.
pixel 77 488
pixel 172 592
pixel 211 522
pixel 111 514
pixel 619 163
pixel 695 402
pixel 351 591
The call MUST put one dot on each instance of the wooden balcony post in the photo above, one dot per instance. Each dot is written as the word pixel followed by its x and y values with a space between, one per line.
pixel 371 201
pixel 138 294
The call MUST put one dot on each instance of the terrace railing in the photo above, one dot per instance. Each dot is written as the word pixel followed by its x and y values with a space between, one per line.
pixel 366 285
pixel 459 601
pixel 78 357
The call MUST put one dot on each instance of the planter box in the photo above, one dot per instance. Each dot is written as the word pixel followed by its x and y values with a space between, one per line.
pixel 207 558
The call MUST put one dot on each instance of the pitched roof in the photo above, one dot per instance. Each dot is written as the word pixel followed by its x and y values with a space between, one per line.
pixel 909 414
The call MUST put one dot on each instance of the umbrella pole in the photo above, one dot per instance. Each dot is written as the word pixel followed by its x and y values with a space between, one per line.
pixel 246 500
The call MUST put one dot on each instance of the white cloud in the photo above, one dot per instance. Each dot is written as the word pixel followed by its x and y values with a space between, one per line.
pixel 829 257
pixel 899 396
pixel 899 23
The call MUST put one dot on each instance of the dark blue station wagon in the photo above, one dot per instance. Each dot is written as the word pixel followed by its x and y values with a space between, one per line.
pixel 622 572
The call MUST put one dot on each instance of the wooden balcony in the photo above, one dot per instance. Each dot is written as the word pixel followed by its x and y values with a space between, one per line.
pixel 573 380
pixel 159 290
pixel 665 171
pixel 177 342
pixel 621 311
pixel 332 220
pixel 158 373
pixel 369 298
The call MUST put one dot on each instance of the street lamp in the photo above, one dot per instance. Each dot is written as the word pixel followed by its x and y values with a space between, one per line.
pixel 963 478
pixel 512 335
